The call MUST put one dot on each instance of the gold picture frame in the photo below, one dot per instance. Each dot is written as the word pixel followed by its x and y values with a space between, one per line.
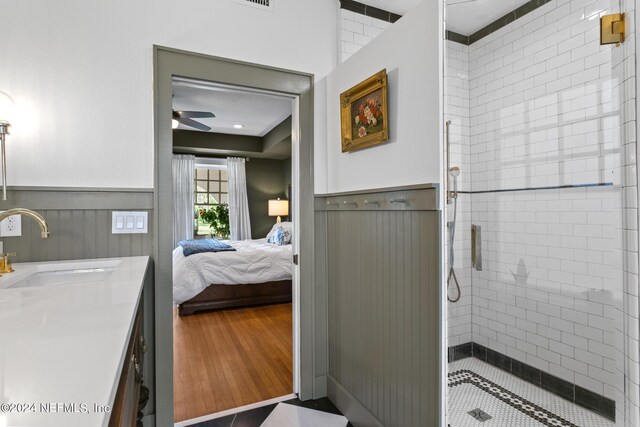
pixel 363 111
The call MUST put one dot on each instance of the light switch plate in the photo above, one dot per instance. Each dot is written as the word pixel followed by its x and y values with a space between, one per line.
pixel 11 226
pixel 129 222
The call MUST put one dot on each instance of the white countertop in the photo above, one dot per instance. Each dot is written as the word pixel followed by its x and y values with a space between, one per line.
pixel 65 344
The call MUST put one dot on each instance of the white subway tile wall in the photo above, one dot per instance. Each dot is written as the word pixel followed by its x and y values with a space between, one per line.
pixel 357 31
pixel 549 106
pixel 543 101
pixel 456 109
pixel 551 282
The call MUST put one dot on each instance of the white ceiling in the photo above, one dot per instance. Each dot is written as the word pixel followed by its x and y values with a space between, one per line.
pixel 468 16
pixel 257 112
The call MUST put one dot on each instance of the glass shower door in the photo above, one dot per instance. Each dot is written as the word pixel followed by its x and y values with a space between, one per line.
pixel 546 121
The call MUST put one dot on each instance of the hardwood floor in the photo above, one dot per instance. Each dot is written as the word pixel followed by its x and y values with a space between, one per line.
pixel 225 359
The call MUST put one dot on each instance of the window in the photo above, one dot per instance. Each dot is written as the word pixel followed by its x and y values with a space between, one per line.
pixel 211 188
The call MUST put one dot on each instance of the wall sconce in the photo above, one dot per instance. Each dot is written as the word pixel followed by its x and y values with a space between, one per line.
pixel 278 207
pixel 7 110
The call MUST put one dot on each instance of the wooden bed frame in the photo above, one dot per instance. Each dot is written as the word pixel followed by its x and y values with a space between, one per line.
pixel 216 297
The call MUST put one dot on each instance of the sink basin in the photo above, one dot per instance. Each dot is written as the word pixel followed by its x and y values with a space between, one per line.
pixel 59 273
pixel 49 278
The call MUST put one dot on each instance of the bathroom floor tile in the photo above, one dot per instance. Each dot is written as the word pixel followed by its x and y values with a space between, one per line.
pixel 310 413
pixel 477 389
pixel 285 415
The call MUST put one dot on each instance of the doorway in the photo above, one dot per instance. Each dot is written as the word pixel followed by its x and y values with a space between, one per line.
pixel 170 63
pixel 233 322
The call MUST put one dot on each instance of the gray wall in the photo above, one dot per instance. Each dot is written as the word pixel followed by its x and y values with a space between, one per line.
pixel 382 263
pixel 286 171
pixel 79 222
pixel 266 179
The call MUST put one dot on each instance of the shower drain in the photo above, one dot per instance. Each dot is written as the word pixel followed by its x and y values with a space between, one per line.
pixel 479 415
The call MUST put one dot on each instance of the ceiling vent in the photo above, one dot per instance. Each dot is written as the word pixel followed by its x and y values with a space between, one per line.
pixel 260 4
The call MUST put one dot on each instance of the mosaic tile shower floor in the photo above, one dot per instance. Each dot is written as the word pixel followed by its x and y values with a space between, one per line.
pixel 480 395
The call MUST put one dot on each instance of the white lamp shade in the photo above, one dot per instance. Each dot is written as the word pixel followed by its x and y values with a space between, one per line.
pixel 278 207
pixel 7 108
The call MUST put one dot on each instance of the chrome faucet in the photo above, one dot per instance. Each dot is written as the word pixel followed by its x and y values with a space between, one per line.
pixel 44 227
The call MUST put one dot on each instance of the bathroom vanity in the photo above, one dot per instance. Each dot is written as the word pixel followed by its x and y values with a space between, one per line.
pixel 71 343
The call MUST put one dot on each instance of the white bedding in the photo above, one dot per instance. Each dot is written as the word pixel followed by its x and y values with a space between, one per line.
pixel 253 261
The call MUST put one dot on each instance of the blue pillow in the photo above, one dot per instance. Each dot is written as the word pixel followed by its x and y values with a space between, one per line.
pixel 192 247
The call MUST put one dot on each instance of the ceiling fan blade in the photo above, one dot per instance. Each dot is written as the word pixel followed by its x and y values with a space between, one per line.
pixel 194 114
pixel 193 124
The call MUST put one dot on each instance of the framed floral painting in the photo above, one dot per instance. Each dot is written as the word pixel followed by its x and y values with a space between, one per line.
pixel 364 113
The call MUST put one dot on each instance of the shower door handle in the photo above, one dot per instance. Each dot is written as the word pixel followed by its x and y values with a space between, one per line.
pixel 447 126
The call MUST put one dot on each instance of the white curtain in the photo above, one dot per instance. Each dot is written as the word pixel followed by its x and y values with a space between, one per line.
pixel 239 223
pixel 182 167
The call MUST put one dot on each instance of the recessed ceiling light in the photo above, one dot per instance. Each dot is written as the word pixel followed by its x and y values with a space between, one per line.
pixel 238 126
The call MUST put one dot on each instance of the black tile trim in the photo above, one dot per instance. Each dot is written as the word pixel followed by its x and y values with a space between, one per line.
pixel 538 413
pixel 595 402
pixel 499 23
pixel 370 11
pixel 459 352
pixel 562 388
pixel 457 37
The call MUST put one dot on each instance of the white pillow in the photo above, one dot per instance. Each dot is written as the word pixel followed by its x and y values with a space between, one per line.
pixel 281 237
pixel 285 225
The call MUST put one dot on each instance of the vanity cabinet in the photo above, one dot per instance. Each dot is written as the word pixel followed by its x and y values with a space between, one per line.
pixel 128 401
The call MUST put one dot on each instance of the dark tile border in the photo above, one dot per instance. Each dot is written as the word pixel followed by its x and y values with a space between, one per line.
pixel 459 352
pixel 497 24
pixel 370 11
pixel 580 396
pixel 457 37
pixel 528 408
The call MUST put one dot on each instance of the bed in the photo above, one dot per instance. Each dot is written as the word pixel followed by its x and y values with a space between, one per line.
pixel 256 273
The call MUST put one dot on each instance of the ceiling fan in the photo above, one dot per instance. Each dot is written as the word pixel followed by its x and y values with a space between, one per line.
pixel 185 118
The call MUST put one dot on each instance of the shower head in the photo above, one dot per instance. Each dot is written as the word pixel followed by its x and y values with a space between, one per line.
pixel 454 171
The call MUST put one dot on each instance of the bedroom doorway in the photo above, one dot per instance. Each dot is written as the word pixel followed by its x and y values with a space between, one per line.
pixel 234 236
pixel 309 303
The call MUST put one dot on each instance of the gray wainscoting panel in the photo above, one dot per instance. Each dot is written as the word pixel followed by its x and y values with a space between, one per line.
pixel 79 223
pixel 383 290
pixel 320 316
